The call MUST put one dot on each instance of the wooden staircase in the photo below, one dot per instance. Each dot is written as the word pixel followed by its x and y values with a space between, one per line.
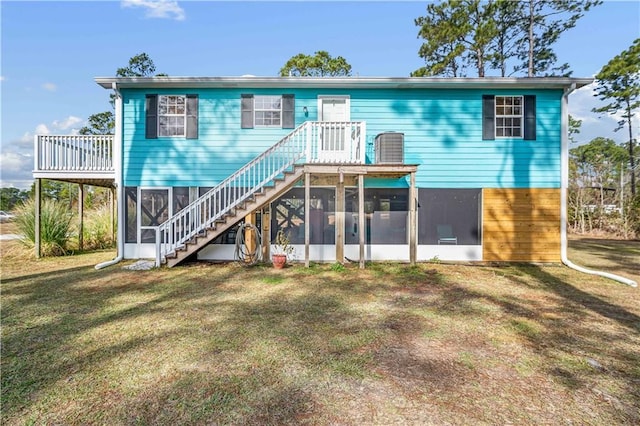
pixel 230 219
pixel 255 184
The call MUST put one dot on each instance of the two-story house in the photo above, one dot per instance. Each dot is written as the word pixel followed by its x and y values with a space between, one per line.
pixel 404 169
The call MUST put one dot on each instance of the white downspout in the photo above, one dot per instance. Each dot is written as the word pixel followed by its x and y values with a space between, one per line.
pixel 563 198
pixel 117 165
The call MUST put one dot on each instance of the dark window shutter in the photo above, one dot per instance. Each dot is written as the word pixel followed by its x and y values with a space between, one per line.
pixel 192 116
pixel 530 117
pixel 151 123
pixel 288 115
pixel 488 117
pixel 246 120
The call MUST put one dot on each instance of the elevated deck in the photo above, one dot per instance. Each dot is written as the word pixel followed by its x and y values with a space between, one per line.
pixel 82 159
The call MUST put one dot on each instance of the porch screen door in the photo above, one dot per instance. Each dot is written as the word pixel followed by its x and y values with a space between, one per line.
pixel 335 135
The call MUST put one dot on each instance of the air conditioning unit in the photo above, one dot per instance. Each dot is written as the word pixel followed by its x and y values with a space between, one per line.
pixel 390 148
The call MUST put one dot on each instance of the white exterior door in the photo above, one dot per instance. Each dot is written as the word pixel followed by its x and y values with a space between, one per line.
pixel 335 136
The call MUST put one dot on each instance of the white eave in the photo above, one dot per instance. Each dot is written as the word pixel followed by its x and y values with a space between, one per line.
pixel 342 82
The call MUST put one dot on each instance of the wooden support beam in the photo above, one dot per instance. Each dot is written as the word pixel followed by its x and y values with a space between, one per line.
pixel 361 221
pixel 249 219
pixel 413 241
pixel 307 224
pixel 340 201
pixel 37 225
pixel 266 234
pixel 80 216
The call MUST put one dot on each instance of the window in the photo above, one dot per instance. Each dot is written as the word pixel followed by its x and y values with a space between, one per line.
pixel 508 116
pixel 449 216
pixel 267 110
pixel 171 115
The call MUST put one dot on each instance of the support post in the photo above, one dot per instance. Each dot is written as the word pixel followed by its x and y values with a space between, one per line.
pixel 81 216
pixel 249 219
pixel 266 234
pixel 307 225
pixel 340 220
pixel 361 221
pixel 112 224
pixel 412 220
pixel 38 199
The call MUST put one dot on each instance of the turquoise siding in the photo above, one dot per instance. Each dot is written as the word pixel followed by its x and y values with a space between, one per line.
pixel 443 134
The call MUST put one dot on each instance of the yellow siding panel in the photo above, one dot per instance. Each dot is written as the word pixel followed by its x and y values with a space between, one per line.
pixel 521 225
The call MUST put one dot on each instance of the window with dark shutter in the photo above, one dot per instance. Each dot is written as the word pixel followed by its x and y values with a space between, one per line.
pixel 151 123
pixel 246 120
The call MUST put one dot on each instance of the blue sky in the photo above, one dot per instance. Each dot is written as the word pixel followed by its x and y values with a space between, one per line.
pixel 51 51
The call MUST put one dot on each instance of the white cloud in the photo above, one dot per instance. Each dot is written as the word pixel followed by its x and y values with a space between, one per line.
pixel 42 129
pixel 16 157
pixel 581 103
pixel 49 87
pixel 164 9
pixel 16 169
pixel 67 123
pixel 3 78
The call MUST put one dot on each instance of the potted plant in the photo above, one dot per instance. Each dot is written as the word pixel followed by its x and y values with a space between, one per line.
pixel 282 248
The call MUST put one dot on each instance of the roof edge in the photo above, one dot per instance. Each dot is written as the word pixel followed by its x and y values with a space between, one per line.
pixel 342 82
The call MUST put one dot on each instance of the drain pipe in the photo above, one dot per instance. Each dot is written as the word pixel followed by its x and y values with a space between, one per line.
pixel 563 199
pixel 117 164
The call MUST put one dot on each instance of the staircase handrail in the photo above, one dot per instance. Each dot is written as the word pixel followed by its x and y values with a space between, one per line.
pixel 303 141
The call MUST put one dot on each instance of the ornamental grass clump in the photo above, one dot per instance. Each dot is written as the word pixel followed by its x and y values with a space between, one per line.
pixel 98 227
pixel 55 221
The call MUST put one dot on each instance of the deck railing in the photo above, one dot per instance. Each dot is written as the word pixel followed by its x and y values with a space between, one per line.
pixel 311 142
pixel 73 153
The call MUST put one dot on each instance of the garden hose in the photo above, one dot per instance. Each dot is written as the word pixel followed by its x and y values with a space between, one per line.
pixel 242 253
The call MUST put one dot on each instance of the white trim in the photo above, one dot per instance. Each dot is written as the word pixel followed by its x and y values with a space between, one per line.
pixel 506 116
pixel 277 126
pixel 169 190
pixel 485 83
pixel 184 117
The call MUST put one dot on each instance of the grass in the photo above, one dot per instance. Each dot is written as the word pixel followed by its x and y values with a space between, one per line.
pixel 225 344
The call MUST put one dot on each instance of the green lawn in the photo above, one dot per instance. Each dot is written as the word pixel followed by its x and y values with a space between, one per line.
pixel 393 344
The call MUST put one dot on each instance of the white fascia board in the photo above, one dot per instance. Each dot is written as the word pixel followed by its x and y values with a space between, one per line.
pixel 343 82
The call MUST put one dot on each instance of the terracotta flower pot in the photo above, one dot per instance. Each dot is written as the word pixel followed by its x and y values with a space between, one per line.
pixel 279 260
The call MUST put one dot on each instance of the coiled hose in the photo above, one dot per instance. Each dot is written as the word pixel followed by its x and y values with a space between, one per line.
pixel 242 254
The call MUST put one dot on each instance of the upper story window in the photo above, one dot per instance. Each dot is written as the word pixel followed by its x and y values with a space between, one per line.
pixel 171 115
pixel 509 116
pixel 267 110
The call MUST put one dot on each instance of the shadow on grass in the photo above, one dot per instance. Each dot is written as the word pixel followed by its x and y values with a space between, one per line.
pixel 617 256
pixel 256 346
pixel 46 313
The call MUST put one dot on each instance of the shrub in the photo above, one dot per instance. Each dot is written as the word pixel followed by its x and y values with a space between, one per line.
pixel 97 229
pixel 55 220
